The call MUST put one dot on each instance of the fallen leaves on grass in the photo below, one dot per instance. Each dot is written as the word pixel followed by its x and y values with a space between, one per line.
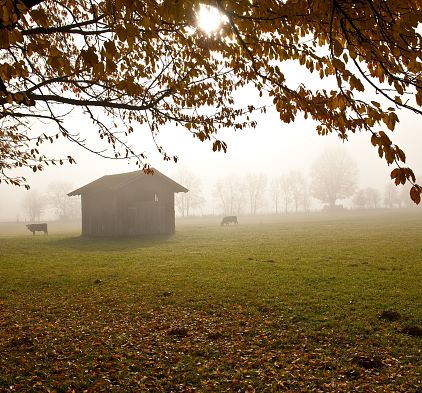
pixel 96 344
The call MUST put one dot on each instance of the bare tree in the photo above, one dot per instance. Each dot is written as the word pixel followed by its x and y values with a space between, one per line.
pixel 255 187
pixel 298 187
pixel 65 208
pixel 34 204
pixel 334 176
pixel 306 198
pixel 368 198
pixel 192 200
pixel 373 197
pixel 359 199
pixel 230 194
pixel 286 192
pixel 288 189
pixel 391 196
pixel 275 193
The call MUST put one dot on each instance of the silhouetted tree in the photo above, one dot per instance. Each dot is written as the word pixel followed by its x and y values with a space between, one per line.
pixel 306 198
pixel 368 198
pixel 275 193
pixel 286 192
pixel 391 196
pixel 359 199
pixel 65 207
pixel 34 204
pixel 231 195
pixel 333 176
pixel 255 188
pixel 373 197
pixel 299 189
pixel 186 202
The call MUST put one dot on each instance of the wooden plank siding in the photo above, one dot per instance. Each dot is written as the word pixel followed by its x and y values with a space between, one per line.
pixel 139 206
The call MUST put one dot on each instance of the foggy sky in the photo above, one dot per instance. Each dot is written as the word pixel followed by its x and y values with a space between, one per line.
pixel 273 148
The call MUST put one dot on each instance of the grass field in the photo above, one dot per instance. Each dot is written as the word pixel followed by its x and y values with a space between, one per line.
pixel 286 304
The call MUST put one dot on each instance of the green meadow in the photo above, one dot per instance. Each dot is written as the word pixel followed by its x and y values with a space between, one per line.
pixel 276 304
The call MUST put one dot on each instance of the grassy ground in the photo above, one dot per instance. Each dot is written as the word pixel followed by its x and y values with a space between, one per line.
pixel 290 305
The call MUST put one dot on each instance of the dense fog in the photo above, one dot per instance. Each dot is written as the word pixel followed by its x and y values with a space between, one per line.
pixel 260 167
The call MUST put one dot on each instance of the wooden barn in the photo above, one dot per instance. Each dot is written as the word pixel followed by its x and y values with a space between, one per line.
pixel 128 204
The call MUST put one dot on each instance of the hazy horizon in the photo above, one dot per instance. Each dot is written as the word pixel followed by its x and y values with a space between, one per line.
pixel 272 148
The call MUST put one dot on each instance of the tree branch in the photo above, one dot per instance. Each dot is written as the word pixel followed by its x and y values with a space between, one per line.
pixel 94 103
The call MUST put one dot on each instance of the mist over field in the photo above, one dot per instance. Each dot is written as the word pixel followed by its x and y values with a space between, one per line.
pixel 267 258
pixel 297 295
pixel 272 150
pixel 276 302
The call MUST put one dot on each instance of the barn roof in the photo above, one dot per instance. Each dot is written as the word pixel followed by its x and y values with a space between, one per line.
pixel 115 182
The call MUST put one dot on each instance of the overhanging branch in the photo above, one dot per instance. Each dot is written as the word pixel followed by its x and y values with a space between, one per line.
pixel 94 103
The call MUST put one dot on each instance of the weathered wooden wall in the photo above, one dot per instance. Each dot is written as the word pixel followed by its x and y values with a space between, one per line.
pixel 130 211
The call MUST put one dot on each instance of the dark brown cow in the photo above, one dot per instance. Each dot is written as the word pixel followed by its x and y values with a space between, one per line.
pixel 229 220
pixel 37 228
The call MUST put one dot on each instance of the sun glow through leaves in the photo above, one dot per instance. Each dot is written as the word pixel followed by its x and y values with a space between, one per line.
pixel 209 19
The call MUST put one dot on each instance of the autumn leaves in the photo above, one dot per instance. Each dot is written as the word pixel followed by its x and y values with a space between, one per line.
pixel 147 64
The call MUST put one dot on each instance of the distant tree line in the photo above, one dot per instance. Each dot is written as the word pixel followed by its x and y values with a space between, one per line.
pixel 390 197
pixel 333 180
pixel 54 200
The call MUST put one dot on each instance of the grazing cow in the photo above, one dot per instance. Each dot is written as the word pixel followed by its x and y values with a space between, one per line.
pixel 37 228
pixel 229 219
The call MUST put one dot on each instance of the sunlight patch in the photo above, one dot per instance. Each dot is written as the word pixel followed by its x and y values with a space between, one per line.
pixel 209 19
